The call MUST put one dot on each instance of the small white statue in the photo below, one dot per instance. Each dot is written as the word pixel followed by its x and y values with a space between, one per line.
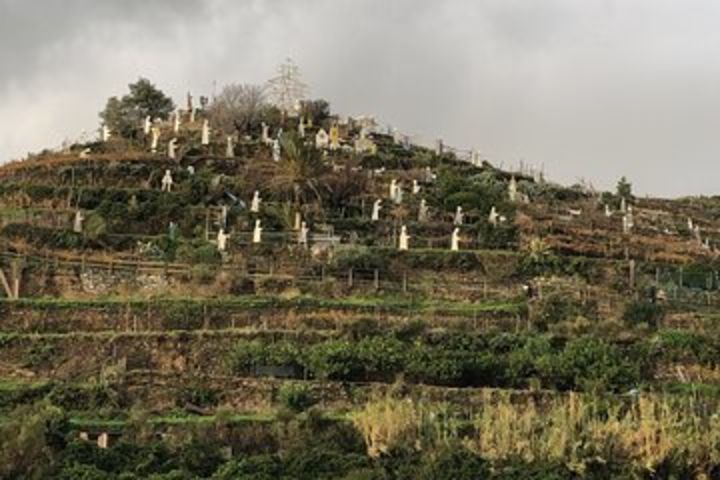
pixel 222 239
pixel 205 132
pixel 257 232
pixel 85 153
pixel 172 146
pixel 608 213
pixel 167 181
pixel 322 139
pixel 512 189
pixel 398 194
pixel 229 148
pixel 191 170
pixel 106 133
pixel 626 225
pixel 176 123
pixel 404 238
pixel 78 222
pixel 415 187
pixel 301 127
pixel 459 216
pixel 146 125
pixel 393 189
pixel 422 211
pixel 265 134
pixel 255 203
pixel 455 240
pixel 376 210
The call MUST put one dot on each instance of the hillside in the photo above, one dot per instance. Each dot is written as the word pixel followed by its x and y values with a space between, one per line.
pixel 233 305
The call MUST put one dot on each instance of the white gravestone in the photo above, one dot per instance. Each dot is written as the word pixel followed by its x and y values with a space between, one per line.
pixel 255 203
pixel 455 240
pixel 298 221
pixel 265 134
pixel 459 216
pixel 172 146
pixel 276 150
pixel 608 213
pixel 393 189
pixel 404 238
pixel 167 181
pixel 146 125
pixel 205 140
pixel 398 194
pixel 155 139
pixel 422 211
pixel 377 205
pixel 301 127
pixel 223 215
pixel 257 232
pixel 512 189
pixel 222 239
pixel 322 139
pixel 475 158
pixel 303 234
pixel 623 205
pixel 493 217
pixel 106 133
pixel 229 148
pixel 191 170
pixel 78 222
pixel 176 123
pixel 415 187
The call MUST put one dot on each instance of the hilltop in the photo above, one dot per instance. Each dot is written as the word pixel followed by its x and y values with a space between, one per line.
pixel 288 279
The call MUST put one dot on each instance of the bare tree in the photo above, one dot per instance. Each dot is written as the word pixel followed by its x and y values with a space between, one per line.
pixel 238 107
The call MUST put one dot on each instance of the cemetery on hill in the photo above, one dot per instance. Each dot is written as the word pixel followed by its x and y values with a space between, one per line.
pixel 233 286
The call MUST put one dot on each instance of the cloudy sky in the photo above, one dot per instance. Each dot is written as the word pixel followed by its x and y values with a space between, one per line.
pixel 591 89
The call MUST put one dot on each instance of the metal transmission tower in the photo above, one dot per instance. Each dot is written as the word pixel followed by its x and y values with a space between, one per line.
pixel 287 90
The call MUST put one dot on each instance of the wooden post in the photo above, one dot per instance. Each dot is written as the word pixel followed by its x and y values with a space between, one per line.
pixel 6 285
pixel 632 274
pixel 350 278
pixel 405 282
pixel 376 279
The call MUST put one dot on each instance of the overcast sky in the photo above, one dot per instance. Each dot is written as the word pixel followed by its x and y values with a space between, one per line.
pixel 590 89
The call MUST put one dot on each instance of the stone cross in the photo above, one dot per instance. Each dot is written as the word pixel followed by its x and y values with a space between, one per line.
pixel 404 238
pixel 146 125
pixel 415 187
pixel 155 139
pixel 229 148
pixel 512 189
pixel 172 145
pixel 459 216
pixel 493 217
pixel 78 222
pixel 422 211
pixel 255 203
pixel 276 150
pixel 222 239
pixel 206 132
pixel 322 140
pixel 303 234
pixel 334 137
pixel 167 181
pixel 257 232
pixel 455 240
pixel 376 210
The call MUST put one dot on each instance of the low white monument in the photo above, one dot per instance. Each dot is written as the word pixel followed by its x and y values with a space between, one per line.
pixel 78 222
pixel 455 240
pixel 222 239
pixel 257 232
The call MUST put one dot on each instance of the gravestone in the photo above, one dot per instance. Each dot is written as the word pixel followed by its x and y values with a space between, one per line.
pixel 377 205
pixel 222 239
pixel 422 211
pixel 229 147
pixel 455 240
pixel 608 213
pixel 276 150
pixel 78 222
pixel 265 134
pixel 255 203
pixel 459 216
pixel 172 146
pixel 106 133
pixel 257 232
pixel 404 238
pixel 493 217
pixel 176 123
pixel 167 182
pixel 303 234
pixel 155 139
pixel 415 187
pixel 205 140
pixel 146 125
pixel 301 127
pixel 322 140
pixel 512 189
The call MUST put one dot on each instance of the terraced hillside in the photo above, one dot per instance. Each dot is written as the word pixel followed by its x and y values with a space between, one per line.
pixel 186 331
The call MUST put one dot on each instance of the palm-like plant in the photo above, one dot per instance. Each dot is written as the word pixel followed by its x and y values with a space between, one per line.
pixel 301 173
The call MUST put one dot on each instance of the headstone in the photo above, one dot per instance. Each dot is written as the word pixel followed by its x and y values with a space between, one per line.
pixel 78 222
pixel 255 203
pixel 176 123
pixel 146 125
pixel 172 230
pixel 322 140
pixel 404 238
pixel 192 115
pixel 229 148
pixel 257 232
pixel 155 139
pixel 625 225
pixel 493 217
pixel 608 213
pixel 85 153
pixel 265 134
pixel 377 205
pixel 429 175
pixel 455 240
pixel 301 127
pixel 422 211
pixel 459 216
pixel 690 225
pixel 303 234
pixel 190 169
pixel 623 205
pixel 167 181
pixel 415 187
pixel 222 239
pixel 398 194
pixel 172 146
pixel 106 133
pixel 298 221
pixel 103 440
pixel 205 132
pixel 512 189
pixel 276 150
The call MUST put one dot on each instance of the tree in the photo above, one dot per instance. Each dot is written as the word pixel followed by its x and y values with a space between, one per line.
pixel 315 110
pixel 301 173
pixel 624 188
pixel 238 107
pixel 124 116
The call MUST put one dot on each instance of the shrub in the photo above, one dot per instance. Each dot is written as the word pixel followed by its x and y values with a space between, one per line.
pixel 296 397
